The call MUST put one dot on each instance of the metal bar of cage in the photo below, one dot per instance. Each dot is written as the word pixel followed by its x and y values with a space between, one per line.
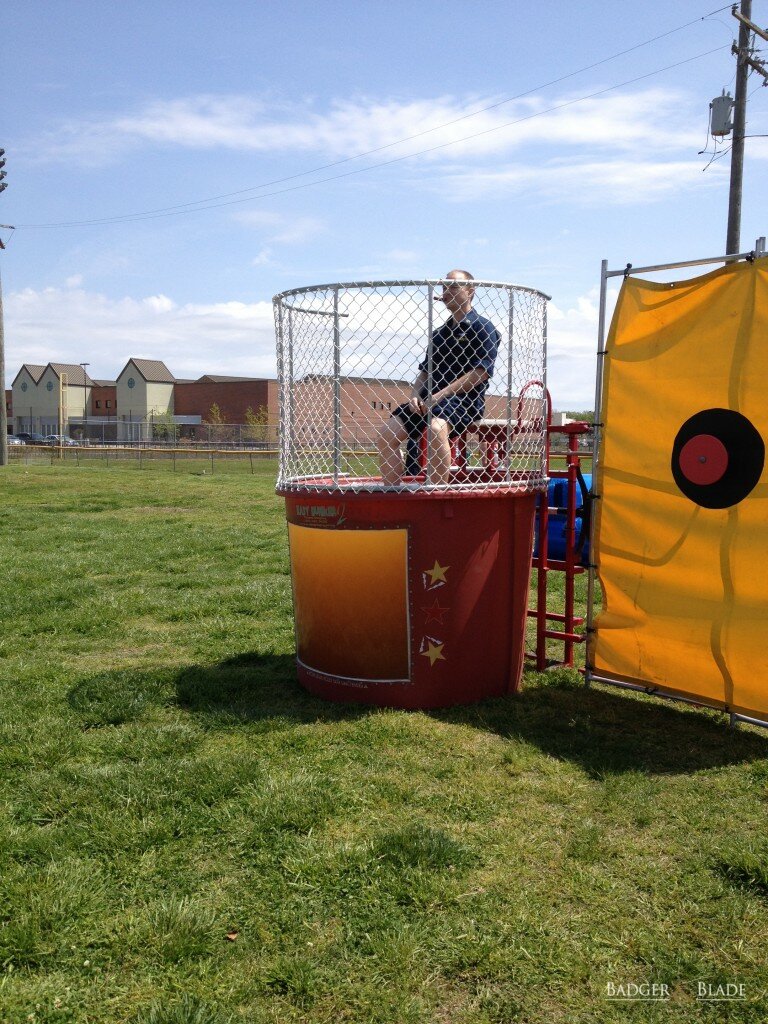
pixel 336 388
pixel 510 378
pixel 430 372
pixel 408 283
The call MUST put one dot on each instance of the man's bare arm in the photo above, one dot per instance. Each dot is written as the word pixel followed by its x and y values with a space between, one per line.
pixel 466 382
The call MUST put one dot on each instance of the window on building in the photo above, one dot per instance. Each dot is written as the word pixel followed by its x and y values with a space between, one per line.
pixel 109 403
pixel 98 405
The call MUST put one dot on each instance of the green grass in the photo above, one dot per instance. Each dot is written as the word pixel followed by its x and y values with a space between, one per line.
pixel 187 837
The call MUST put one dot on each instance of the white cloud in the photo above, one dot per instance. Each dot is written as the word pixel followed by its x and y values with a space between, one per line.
pixel 74 325
pixel 615 181
pixel 281 230
pixel 74 281
pixel 572 349
pixel 621 122
pixel 262 258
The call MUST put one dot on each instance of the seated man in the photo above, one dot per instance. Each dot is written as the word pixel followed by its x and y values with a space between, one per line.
pixel 463 356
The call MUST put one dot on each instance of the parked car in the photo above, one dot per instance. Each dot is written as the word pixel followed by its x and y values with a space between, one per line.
pixel 60 440
pixel 12 439
pixel 31 438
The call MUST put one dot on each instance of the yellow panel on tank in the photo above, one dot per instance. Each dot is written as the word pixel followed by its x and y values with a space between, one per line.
pixel 350 595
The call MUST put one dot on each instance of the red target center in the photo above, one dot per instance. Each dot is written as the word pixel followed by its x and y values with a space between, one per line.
pixel 703 459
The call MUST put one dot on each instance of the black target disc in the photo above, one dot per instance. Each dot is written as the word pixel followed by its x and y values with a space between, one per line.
pixel 717 458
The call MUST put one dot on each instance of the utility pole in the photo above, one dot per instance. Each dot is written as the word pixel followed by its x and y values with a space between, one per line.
pixel 739 127
pixel 744 61
pixel 3 410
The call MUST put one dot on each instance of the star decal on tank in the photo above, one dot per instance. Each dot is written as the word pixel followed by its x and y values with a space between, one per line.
pixel 435 612
pixel 433 649
pixel 436 576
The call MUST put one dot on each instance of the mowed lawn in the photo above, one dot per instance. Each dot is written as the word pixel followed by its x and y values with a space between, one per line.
pixel 187 837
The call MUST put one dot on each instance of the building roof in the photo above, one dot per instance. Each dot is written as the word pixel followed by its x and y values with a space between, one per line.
pixel 105 383
pixel 75 373
pixel 328 378
pixel 34 371
pixel 153 371
pixel 215 378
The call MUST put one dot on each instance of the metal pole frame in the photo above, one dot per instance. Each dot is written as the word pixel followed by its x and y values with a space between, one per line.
pixel 336 388
pixel 430 371
pixel 545 399
pixel 510 357
pixel 282 377
pixel 759 252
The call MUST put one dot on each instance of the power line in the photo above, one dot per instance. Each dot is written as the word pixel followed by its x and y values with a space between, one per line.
pixel 417 135
pixel 214 204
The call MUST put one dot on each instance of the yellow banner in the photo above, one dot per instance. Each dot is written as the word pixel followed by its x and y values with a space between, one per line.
pixel 682 521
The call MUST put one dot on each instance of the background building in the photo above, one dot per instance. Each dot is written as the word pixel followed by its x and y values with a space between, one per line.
pixel 146 402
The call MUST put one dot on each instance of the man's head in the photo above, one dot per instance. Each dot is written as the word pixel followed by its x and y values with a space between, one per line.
pixel 457 296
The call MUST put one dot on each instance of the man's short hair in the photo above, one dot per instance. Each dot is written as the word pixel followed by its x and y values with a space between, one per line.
pixel 466 273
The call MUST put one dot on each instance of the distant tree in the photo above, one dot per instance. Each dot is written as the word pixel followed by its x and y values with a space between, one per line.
pixel 586 416
pixel 215 415
pixel 219 431
pixel 257 423
pixel 164 427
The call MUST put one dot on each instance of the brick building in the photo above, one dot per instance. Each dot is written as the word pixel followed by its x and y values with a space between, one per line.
pixel 232 396
pixel 147 400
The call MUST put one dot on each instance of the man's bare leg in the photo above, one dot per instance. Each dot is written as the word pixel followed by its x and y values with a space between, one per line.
pixel 439 452
pixel 391 436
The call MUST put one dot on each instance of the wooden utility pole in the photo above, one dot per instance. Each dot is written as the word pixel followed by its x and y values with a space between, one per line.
pixel 744 62
pixel 739 127
pixel 3 412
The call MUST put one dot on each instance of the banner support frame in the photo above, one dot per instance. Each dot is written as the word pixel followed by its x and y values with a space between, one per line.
pixel 759 252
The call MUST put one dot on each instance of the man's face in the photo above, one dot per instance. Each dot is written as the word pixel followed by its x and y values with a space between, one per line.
pixel 457 295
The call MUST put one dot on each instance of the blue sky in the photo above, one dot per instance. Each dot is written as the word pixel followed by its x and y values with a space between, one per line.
pixel 121 109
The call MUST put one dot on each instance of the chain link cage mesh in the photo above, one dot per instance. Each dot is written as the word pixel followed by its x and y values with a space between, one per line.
pixel 348 356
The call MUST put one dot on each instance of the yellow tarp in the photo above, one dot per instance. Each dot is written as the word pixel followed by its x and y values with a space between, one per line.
pixel 685 587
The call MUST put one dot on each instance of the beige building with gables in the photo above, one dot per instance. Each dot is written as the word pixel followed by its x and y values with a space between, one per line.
pixel 144 391
pixel 46 399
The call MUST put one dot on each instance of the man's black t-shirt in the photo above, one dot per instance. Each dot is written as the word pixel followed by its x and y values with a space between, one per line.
pixel 458 348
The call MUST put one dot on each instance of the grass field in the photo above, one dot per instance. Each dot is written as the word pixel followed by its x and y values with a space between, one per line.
pixel 186 837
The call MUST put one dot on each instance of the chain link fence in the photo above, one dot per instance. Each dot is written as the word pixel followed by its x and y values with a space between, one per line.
pixel 348 357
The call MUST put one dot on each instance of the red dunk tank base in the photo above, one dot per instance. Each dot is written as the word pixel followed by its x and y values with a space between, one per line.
pixel 410 600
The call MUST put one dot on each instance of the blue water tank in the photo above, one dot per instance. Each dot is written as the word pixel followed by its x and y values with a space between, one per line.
pixel 557 497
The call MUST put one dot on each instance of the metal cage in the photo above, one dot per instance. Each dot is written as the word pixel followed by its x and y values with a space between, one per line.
pixel 348 355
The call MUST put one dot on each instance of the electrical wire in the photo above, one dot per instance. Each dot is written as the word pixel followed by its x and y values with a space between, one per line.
pixel 213 203
pixel 398 142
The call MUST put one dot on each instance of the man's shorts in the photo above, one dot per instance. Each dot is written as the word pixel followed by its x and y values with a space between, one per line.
pixel 456 413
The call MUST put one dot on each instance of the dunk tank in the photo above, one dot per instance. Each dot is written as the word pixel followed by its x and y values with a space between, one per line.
pixel 412 594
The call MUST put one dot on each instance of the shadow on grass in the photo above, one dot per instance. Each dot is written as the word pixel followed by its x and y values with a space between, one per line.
pixel 256 688
pixel 604 732
pixel 609 731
